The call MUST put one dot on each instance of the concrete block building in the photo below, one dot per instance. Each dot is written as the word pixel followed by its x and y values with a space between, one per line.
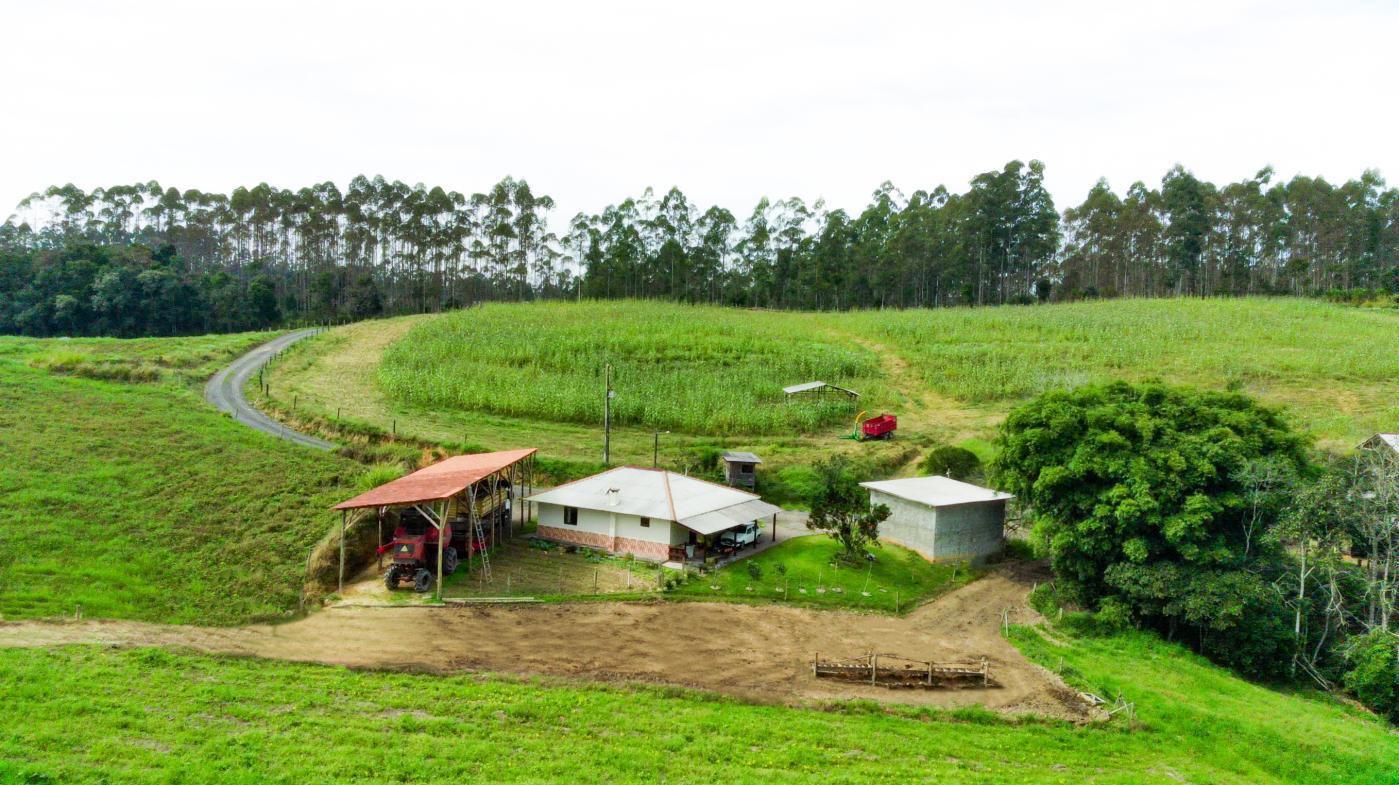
pixel 942 518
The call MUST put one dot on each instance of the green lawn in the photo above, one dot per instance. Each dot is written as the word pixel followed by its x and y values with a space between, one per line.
pixel 196 719
pixel 896 575
pixel 138 500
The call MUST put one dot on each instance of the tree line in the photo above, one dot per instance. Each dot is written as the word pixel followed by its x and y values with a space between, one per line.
pixel 387 247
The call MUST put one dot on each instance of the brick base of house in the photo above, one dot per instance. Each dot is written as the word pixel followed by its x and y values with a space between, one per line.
pixel 642 549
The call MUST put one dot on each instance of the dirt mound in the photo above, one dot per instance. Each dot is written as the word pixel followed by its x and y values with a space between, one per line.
pixel 760 653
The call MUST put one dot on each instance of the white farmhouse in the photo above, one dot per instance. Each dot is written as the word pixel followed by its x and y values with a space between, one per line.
pixel 651 513
pixel 942 518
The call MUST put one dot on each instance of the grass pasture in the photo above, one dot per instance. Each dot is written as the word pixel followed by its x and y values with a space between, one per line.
pixel 198 719
pixel 139 501
pixel 1336 368
pixel 185 360
pixel 897 575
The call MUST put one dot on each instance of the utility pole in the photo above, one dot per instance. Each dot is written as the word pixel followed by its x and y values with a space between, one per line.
pixel 607 416
pixel 656 448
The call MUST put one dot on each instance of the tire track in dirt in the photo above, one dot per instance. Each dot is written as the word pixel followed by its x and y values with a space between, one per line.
pixel 759 653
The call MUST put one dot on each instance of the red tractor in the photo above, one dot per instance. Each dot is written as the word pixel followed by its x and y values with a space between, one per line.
pixel 414 544
pixel 414 552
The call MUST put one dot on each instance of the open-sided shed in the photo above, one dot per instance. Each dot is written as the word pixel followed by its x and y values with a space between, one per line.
pixel 459 486
pixel 1382 441
pixel 818 390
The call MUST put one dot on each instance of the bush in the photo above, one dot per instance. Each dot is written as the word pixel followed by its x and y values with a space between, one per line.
pixel 955 462
pixel 1373 676
pixel 755 571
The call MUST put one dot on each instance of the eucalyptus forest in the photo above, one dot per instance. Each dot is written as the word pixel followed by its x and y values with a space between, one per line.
pixel 149 259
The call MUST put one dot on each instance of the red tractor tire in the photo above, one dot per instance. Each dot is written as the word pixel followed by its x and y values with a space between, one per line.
pixel 450 561
pixel 391 578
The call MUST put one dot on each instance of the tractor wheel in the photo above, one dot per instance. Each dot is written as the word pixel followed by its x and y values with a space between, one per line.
pixel 422 581
pixel 449 561
pixel 391 578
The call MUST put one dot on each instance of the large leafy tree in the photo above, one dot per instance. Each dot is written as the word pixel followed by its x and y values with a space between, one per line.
pixel 1137 474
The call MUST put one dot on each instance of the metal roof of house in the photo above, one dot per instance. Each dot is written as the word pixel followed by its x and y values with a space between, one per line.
pixel 741 457
pixel 1391 439
pixel 442 480
pixel 702 506
pixel 936 491
pixel 809 386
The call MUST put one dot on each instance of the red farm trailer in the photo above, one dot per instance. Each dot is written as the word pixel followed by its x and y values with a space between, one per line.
pixel 881 427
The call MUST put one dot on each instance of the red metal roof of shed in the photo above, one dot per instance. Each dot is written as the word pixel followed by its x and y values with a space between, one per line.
pixel 442 480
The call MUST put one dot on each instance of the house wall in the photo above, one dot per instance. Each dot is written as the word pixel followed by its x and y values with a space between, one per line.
pixel 971 531
pixel 968 532
pixel 608 531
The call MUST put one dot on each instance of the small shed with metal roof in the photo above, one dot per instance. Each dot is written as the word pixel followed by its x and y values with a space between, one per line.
pixel 653 514
pixel 740 468
pixel 942 518
pixel 818 389
pixel 1380 441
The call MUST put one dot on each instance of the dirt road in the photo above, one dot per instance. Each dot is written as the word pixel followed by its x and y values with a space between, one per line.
pixel 758 653
pixel 225 390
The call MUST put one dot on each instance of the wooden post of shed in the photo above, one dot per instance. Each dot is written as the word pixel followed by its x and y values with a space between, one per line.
pixel 341 583
pixel 441 535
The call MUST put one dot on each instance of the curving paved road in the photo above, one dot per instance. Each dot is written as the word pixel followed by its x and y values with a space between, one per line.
pixel 225 391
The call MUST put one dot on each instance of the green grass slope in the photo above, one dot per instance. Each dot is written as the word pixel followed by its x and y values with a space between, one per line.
pixel 136 499
pixel 196 719
pixel 898 575
pixel 1336 368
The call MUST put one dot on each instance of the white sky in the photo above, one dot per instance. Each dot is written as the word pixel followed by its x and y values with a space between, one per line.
pixel 592 102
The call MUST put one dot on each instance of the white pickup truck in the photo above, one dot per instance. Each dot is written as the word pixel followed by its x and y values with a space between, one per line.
pixel 740 538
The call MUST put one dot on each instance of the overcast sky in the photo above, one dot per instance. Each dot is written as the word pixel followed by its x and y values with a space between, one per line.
pixel 592 102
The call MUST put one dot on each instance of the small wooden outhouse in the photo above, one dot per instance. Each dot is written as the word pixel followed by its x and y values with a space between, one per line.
pixel 740 469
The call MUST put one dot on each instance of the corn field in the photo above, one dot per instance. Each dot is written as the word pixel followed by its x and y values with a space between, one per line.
pixel 698 369
pixel 692 369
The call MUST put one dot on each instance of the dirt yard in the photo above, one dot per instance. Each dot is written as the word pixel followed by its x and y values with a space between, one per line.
pixel 759 653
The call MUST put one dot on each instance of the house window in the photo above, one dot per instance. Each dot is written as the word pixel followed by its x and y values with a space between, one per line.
pixel 570 516
pixel 746 468
pixel 645 521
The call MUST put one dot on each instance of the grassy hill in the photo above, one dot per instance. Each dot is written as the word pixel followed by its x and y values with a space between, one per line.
pixel 125 493
pixel 713 375
pixel 196 719
pixel 134 499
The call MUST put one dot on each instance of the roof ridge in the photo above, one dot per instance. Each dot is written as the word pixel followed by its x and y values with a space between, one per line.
pixel 669 500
